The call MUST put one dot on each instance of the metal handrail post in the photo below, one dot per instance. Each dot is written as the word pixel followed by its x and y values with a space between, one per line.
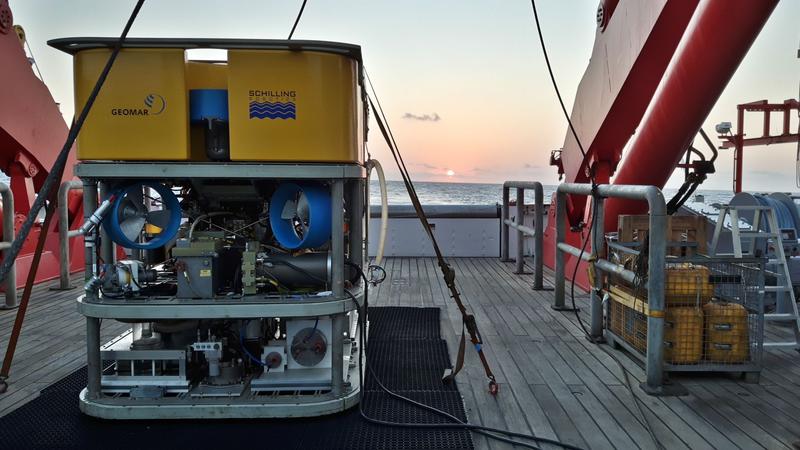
pixel 10 284
pixel 520 236
pixel 519 224
pixel 504 229
pixel 656 264
pixel 64 231
pixel 538 241
pixel 561 235
pixel 598 247
pixel 655 293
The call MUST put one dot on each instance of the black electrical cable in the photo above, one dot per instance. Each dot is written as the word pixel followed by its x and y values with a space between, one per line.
pixel 486 431
pixel 297 20
pixel 555 85
pixel 693 180
pixel 57 171
pixel 710 144
pixel 583 152
pixel 646 422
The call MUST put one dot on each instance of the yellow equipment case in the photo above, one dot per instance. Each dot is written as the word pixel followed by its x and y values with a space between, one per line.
pixel 141 113
pixel 727 332
pixel 287 101
pixel 683 335
pixel 294 106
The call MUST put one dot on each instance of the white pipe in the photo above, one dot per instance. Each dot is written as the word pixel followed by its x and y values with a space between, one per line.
pixel 374 164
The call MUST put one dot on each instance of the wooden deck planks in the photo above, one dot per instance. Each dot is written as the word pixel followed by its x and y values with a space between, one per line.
pixel 560 385
pixel 51 345
pixel 553 382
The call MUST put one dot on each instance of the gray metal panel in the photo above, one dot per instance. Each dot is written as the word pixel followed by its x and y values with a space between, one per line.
pixel 456 237
pixel 202 272
pixel 231 170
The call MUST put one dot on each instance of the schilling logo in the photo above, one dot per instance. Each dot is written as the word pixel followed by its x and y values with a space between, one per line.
pixel 267 104
pixel 154 104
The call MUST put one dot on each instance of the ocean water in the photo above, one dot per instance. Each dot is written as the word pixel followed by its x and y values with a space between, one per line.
pixel 488 194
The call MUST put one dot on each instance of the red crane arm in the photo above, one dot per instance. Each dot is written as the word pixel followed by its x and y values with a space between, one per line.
pixel 657 69
pixel 634 43
pixel 719 37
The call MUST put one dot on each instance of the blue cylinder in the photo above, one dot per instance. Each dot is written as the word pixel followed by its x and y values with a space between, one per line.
pixel 319 215
pixel 208 104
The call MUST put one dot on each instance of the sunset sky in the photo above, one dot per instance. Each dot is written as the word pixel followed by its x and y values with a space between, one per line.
pixel 463 82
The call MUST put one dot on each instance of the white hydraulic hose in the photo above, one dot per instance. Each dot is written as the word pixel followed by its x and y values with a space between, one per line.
pixel 374 164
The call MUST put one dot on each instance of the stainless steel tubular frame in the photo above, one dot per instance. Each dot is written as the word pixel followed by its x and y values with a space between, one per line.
pixel 93 360
pixel 10 284
pixel 656 265
pixel 337 278
pixel 346 189
pixel 64 233
pixel 537 231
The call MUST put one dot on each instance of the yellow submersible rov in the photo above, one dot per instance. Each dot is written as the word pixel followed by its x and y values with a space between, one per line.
pixel 230 199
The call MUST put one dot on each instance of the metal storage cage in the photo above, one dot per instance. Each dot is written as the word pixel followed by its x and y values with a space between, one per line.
pixel 714 311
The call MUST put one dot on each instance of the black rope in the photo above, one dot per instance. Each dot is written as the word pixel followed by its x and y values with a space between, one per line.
pixel 448 273
pixel 297 20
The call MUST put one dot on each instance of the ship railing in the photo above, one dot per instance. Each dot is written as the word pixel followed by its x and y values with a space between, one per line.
pixel 64 233
pixel 518 223
pixel 597 256
pixel 10 284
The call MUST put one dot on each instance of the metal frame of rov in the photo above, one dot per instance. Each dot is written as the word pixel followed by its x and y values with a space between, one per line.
pixel 182 358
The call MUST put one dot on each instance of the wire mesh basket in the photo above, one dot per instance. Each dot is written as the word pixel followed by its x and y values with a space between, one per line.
pixel 714 311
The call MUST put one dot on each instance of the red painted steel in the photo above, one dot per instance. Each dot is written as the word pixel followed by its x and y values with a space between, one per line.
pixel 32 131
pixel 738 141
pixel 629 58
pixel 632 49
pixel 715 43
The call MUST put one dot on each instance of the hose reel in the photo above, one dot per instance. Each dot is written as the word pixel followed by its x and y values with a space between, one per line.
pixel 129 216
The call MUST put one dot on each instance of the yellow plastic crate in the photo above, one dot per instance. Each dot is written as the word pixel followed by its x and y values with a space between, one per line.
pixel 141 112
pixel 727 332
pixel 688 285
pixel 683 335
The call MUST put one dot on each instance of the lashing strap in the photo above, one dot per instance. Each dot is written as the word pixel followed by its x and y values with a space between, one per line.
pixel 468 323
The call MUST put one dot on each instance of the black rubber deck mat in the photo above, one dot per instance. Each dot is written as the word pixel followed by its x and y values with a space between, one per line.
pixel 401 323
pixel 409 357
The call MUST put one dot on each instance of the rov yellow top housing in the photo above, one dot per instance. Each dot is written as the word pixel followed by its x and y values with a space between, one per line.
pixel 141 113
pixel 291 106
pixel 288 101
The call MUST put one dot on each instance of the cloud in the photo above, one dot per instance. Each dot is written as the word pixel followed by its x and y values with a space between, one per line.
pixel 423 118
pixel 532 166
pixel 427 166
pixel 481 170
